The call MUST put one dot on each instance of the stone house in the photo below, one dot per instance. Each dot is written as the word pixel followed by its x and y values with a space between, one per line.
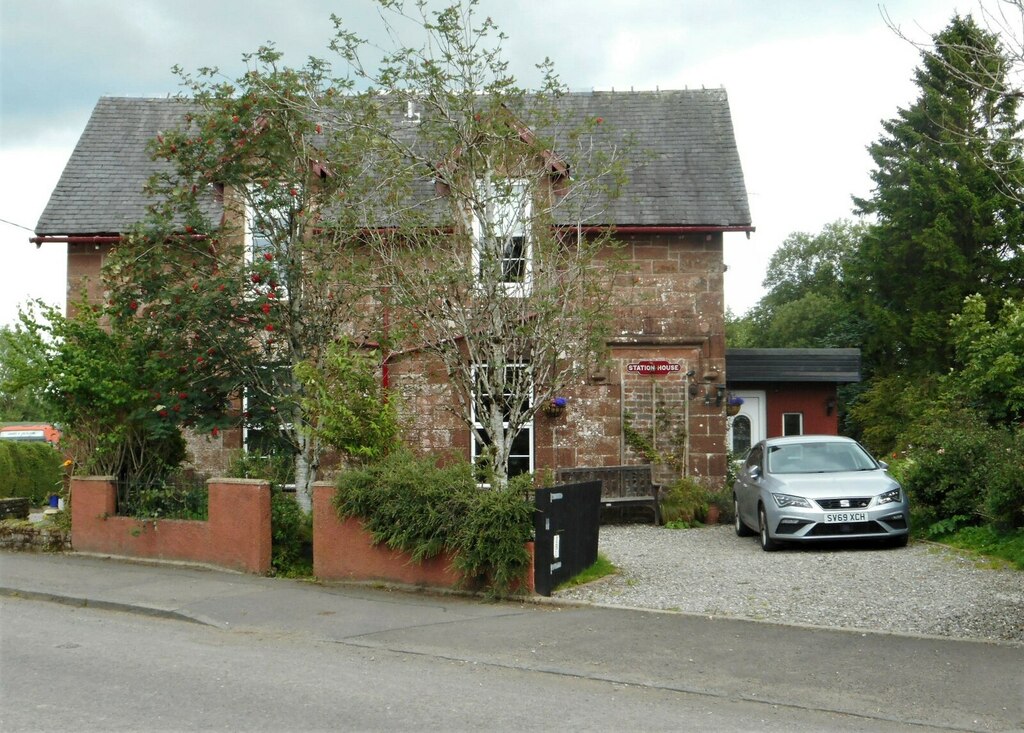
pixel 660 392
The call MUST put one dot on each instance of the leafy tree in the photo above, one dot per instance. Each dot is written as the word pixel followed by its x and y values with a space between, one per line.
pixel 493 279
pixel 740 332
pixel 113 422
pixel 339 206
pixel 806 304
pixel 991 357
pixel 946 224
pixel 22 404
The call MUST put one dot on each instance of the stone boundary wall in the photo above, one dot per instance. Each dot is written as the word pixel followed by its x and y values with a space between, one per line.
pixel 23 536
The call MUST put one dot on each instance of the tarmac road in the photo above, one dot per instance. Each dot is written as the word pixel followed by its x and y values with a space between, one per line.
pixel 568 660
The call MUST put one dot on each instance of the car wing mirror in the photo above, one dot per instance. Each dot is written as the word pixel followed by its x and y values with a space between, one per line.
pixel 755 472
pixel 884 465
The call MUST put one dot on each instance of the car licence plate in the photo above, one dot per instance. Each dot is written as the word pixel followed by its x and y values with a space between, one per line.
pixel 845 517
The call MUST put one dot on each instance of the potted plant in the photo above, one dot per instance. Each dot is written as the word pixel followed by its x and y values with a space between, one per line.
pixel 719 505
pixel 732 407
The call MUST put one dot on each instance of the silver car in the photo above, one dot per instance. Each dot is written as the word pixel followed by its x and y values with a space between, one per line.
pixel 808 488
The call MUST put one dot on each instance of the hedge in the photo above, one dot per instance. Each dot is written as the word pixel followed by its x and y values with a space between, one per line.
pixel 34 470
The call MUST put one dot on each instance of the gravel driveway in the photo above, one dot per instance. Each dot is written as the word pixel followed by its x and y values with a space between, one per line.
pixel 922 589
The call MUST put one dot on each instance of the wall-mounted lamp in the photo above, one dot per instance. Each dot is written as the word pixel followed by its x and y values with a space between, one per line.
pixel 694 390
pixel 830 405
pixel 719 394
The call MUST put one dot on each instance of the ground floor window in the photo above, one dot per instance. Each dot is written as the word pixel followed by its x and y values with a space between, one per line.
pixel 521 457
pixel 263 432
pixel 741 436
pixel 792 423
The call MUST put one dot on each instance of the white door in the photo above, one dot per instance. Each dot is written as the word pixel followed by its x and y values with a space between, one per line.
pixel 747 427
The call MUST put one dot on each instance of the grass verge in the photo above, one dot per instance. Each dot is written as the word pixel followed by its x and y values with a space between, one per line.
pixel 599 569
pixel 1008 546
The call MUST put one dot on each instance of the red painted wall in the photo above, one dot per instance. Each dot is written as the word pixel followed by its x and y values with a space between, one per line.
pixel 236 535
pixel 810 399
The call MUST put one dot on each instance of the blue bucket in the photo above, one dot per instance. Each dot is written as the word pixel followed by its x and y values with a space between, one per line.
pixel 54 501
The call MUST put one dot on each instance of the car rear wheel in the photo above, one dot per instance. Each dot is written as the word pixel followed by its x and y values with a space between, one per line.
pixel 742 530
pixel 767 543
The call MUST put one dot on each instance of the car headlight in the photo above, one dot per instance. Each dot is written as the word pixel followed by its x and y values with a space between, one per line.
pixel 893 495
pixel 784 500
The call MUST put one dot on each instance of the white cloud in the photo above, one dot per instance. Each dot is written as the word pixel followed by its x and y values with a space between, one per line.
pixel 30 272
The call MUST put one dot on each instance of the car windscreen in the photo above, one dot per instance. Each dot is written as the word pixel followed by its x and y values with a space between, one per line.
pixel 820 457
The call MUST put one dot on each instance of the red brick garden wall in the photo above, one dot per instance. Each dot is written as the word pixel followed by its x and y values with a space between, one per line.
pixel 236 535
pixel 343 550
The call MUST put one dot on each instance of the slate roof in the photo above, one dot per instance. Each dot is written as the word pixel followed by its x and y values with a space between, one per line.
pixel 100 190
pixel 792 365
pixel 690 174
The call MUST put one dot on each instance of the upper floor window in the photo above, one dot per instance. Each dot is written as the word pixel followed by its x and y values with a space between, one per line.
pixel 269 221
pixel 501 243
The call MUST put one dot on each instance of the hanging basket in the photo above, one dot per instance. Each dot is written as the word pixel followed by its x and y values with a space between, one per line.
pixel 555 407
pixel 731 410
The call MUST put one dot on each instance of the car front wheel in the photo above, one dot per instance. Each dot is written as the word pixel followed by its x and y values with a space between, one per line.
pixel 902 541
pixel 742 530
pixel 767 543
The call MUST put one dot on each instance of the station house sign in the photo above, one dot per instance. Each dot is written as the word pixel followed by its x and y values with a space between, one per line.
pixel 654 368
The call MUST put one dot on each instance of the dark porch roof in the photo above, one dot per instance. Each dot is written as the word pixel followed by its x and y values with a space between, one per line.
pixel 792 365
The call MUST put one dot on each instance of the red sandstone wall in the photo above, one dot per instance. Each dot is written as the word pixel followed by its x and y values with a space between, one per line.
pixel 236 535
pixel 671 308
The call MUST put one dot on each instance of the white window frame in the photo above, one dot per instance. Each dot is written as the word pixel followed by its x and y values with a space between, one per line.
pixel 800 418
pixel 252 234
pixel 246 430
pixel 510 221
pixel 476 442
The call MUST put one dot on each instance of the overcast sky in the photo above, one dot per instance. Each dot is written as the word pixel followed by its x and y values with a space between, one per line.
pixel 809 82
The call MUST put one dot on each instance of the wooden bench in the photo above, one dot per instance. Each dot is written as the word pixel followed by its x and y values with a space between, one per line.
pixel 621 486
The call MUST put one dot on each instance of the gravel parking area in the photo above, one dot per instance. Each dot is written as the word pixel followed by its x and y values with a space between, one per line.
pixel 921 589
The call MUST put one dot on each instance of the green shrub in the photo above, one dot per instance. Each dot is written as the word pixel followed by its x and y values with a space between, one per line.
pixel 412 504
pixel 881 413
pixel 1004 495
pixel 291 529
pixel 959 466
pixel 684 502
pixel 171 501
pixel 33 470
pixel 278 469
pixel 291 532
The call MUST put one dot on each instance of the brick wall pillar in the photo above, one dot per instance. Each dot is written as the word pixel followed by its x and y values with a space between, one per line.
pixel 240 523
